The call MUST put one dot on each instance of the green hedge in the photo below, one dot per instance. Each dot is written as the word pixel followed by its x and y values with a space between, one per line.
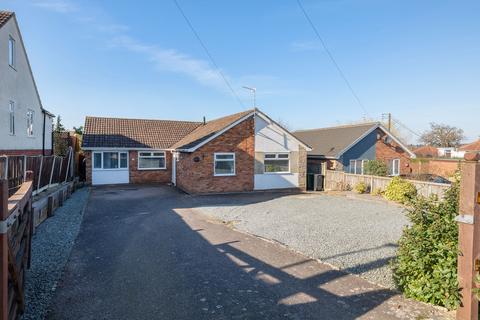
pixel 400 190
pixel 375 168
pixel 426 264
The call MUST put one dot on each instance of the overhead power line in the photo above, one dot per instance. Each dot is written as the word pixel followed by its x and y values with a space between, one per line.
pixel 235 95
pixel 330 55
pixel 405 127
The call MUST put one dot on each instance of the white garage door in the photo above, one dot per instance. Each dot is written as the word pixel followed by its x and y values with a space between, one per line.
pixel 110 167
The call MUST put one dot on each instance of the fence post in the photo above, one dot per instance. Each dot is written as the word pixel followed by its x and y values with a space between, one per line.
pixel 51 172
pixel 3 251
pixel 40 174
pixel 68 163
pixel 469 236
pixel 24 168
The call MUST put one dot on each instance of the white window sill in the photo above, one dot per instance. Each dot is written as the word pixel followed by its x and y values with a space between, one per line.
pixel 151 169
pixel 224 175
pixel 274 173
pixel 116 169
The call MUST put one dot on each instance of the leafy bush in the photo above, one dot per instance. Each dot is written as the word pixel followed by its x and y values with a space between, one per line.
pixel 400 190
pixel 426 264
pixel 361 187
pixel 377 192
pixel 375 168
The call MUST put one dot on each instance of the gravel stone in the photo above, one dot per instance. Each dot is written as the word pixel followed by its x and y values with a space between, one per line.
pixel 355 235
pixel 51 246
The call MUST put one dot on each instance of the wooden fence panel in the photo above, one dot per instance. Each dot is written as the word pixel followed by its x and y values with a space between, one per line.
pixel 46 172
pixel 34 164
pixel 338 180
pixel 15 248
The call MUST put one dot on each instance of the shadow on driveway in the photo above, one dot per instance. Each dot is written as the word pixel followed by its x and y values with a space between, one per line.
pixel 142 253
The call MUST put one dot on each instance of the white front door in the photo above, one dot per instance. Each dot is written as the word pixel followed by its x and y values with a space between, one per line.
pixel 110 167
pixel 174 168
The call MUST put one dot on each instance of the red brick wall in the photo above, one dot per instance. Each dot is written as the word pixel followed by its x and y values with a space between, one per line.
pixel 88 167
pixel 392 151
pixel 25 152
pixel 441 167
pixel 197 177
pixel 149 176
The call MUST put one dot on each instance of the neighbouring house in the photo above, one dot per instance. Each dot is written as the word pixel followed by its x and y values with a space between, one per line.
pixel 470 148
pixel 25 126
pixel 245 151
pixel 426 152
pixel 450 152
pixel 347 148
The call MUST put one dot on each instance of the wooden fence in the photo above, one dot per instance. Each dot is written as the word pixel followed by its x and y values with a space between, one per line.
pixel 338 180
pixel 15 246
pixel 47 171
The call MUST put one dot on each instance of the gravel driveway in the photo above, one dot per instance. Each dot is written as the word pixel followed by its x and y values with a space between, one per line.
pixel 358 236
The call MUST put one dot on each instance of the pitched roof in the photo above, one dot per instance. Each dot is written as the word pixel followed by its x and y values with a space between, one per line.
pixel 474 146
pixel 134 133
pixel 426 151
pixel 204 132
pixel 5 16
pixel 330 142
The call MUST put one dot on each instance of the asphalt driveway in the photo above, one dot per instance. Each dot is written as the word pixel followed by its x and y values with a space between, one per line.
pixel 147 253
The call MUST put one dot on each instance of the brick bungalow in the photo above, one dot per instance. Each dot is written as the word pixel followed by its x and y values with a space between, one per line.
pixel 245 151
pixel 347 148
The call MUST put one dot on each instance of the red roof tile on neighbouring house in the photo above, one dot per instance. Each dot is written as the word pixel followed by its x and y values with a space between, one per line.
pixel 134 133
pixel 5 16
pixel 426 151
pixel 471 147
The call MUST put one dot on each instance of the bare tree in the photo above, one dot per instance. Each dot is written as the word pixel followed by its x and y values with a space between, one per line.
pixel 442 135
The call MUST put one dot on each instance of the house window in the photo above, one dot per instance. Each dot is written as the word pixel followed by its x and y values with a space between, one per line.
pixel 30 116
pixel 276 163
pixel 224 164
pixel 11 52
pixel 356 166
pixel 394 167
pixel 97 160
pixel 151 160
pixel 11 109
pixel 110 160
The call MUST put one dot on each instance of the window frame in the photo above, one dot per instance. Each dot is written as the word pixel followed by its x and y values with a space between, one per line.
pixel 354 166
pixel 30 123
pixel 12 49
pixel 152 157
pixel 393 173
pixel 102 162
pixel 277 159
pixel 215 174
pixel 11 117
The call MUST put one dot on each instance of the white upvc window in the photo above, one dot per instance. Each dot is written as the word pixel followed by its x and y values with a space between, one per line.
pixel 151 160
pixel 276 163
pixel 356 166
pixel 11 121
pixel 224 164
pixel 30 117
pixel 110 160
pixel 394 167
pixel 11 52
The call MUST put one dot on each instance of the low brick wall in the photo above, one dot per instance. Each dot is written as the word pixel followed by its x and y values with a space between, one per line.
pixel 441 167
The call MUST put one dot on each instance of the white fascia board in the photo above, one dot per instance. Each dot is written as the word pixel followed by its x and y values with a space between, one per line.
pixel 218 133
pixel 400 143
pixel 267 119
pixel 373 128
pixel 123 149
pixel 378 126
